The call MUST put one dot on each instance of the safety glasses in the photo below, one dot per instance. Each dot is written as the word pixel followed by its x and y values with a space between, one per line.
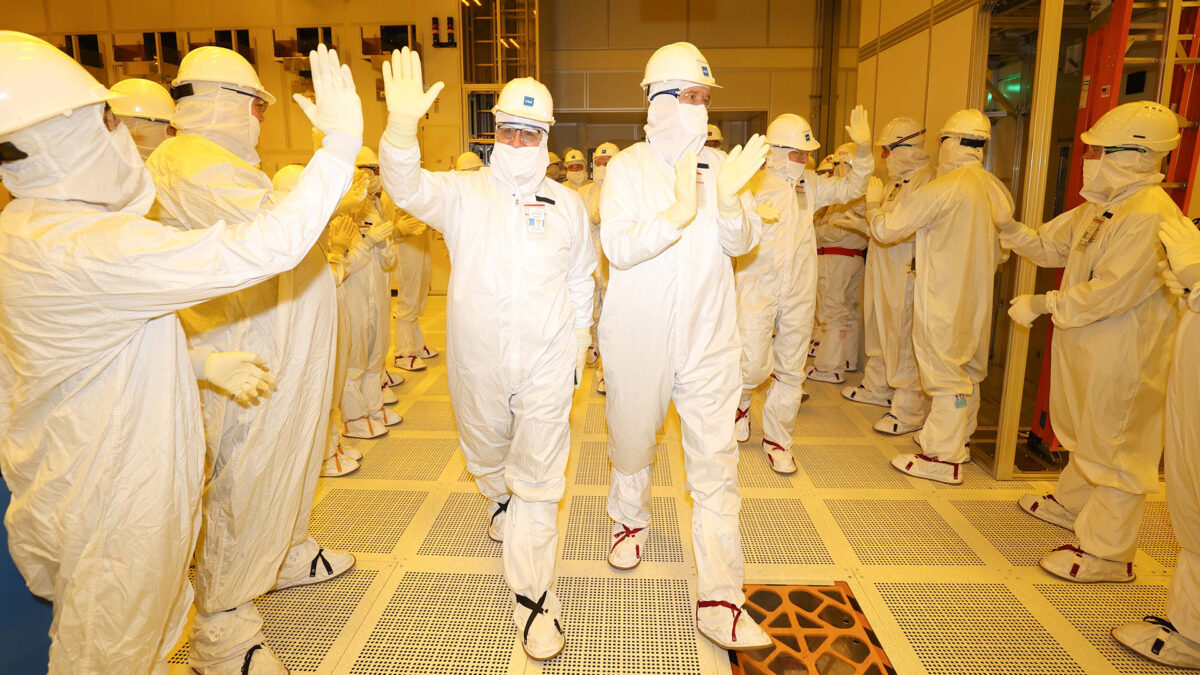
pixel 110 119
pixel 690 96
pixel 508 134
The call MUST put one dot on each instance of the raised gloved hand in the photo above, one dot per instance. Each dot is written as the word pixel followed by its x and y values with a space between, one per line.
pixel 874 193
pixel 243 375
pixel 1025 308
pixel 342 230
pixel 683 211
pixel 407 100
pixel 337 106
pixel 739 167
pixel 584 339
pixel 767 212
pixel 409 226
pixel 1182 241
pixel 380 233
pixel 859 129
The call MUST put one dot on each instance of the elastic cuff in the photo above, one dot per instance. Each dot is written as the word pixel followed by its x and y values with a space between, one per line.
pixel 1189 276
pixel 199 358
pixel 1038 304
pixel 731 210
pixel 343 145
pixel 400 132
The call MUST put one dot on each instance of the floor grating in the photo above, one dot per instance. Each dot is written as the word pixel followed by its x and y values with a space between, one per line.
pixel 395 458
pixel 364 521
pixel 780 532
pixel 460 528
pixel 589 531
pixel 899 532
pixel 1095 609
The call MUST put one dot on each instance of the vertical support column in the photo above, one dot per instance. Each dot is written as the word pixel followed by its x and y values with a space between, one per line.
pixel 1034 188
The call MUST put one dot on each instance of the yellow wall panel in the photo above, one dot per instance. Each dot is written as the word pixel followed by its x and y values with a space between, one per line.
pixel 243 14
pixel 71 16
pixel 27 17
pixel 615 90
pixel 949 69
pixel 743 90
pixel 901 80
pixel 647 24
pixel 865 86
pixel 140 16
pixel 791 92
pixel 580 25
pixel 192 13
pixel 790 23
pixel 868 26
pixel 727 24
pixel 892 13
pixel 569 90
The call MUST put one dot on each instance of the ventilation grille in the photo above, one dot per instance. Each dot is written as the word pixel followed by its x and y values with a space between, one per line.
pixel 981 629
pixel 302 624
pixel 594 467
pixel 899 532
pixel 779 532
pixel 754 471
pixel 1095 609
pixel 429 416
pixel 364 521
pixel 460 528
pixel 849 467
pixel 824 421
pixel 589 531
pixel 1000 520
pixel 444 624
pixel 626 626
pixel 399 458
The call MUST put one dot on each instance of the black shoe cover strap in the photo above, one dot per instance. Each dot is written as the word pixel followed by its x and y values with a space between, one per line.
pixel 249 656
pixel 500 508
pixel 1162 623
pixel 312 570
pixel 534 608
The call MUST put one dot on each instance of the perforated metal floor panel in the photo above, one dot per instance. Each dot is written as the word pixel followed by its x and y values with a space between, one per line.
pixel 1156 537
pixel 754 470
pixel 837 465
pixel 595 469
pixel 780 532
pixel 394 458
pixel 999 519
pixel 429 416
pixel 899 532
pixel 364 521
pixel 1096 609
pixel 981 629
pixel 460 529
pixel 589 531
pixel 825 421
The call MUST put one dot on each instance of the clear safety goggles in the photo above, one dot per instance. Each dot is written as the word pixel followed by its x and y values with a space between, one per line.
pixel 904 142
pixel 507 133
pixel 690 96
pixel 967 142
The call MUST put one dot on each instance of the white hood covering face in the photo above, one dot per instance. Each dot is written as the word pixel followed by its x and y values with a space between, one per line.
pixel 223 116
pixel 577 177
pixel 521 169
pixel 904 160
pixel 147 134
pixel 780 163
pixel 77 159
pixel 1118 173
pixel 673 128
pixel 954 155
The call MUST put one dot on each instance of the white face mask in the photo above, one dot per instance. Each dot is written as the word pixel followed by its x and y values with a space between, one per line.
pixel 779 162
pixel 673 128
pixel 903 160
pixel 221 115
pixel 522 169
pixel 147 134
pixel 954 155
pixel 77 159
pixel 598 173
pixel 1118 173
pixel 577 177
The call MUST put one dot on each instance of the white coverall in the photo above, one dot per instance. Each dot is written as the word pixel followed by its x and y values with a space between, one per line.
pixel 1183 472
pixel 891 369
pixel 591 200
pixel 841 249
pixel 777 290
pixel 364 304
pixel 1114 324
pixel 105 452
pixel 279 443
pixel 669 332
pixel 343 267
pixel 954 219
pixel 517 294
pixel 413 268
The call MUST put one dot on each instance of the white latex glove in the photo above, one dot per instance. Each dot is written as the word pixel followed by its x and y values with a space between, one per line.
pixel 243 375
pixel 1170 279
pixel 354 197
pixel 341 234
pixel 874 193
pixel 767 212
pixel 1182 241
pixel 739 167
pixel 683 211
pixel 380 233
pixel 407 100
pixel 1025 308
pixel 337 107
pixel 859 130
pixel 409 226
pixel 584 338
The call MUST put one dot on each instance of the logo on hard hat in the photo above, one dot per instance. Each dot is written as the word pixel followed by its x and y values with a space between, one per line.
pixel 529 101
pixel 704 70
pixel 807 136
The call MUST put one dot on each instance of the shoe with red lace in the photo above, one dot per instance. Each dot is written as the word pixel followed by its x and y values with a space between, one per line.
pixel 930 468
pixel 625 549
pixel 729 626
pixel 410 362
pixel 1049 509
pixel 741 423
pixel 781 459
pixel 1074 564
pixel 1158 640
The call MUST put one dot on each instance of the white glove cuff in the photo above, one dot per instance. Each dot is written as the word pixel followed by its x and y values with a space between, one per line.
pixel 1190 277
pixel 401 131
pixel 343 145
pixel 199 359
pixel 729 208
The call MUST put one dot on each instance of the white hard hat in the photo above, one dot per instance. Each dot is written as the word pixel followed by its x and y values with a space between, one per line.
pixel 574 156
pixel 221 65
pixel 1144 124
pixel 900 131
pixel 528 98
pixel 968 122
pixel 286 177
pixel 791 131
pixel 366 157
pixel 844 154
pixel 142 98
pixel 554 159
pixel 467 161
pixel 606 150
pixel 714 133
pixel 39 81
pixel 678 61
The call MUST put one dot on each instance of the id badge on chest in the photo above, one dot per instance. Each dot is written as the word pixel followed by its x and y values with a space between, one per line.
pixel 701 180
pixel 1092 231
pixel 535 218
